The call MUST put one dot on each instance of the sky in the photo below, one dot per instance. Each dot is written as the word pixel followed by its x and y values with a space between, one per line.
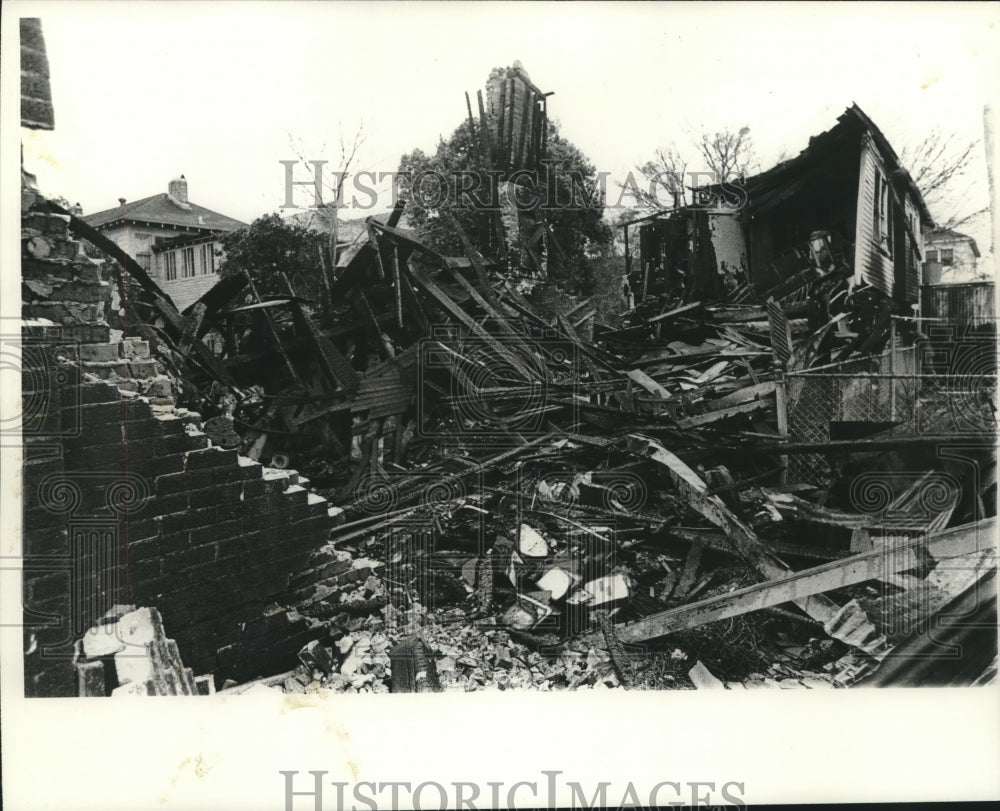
pixel 222 92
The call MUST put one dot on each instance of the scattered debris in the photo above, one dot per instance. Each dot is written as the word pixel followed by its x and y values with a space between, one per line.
pixel 524 508
pixel 128 654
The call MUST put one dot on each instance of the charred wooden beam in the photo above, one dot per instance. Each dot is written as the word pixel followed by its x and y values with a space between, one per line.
pixel 805 585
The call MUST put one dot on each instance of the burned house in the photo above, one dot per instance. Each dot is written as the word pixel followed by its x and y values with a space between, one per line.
pixel 424 482
pixel 846 194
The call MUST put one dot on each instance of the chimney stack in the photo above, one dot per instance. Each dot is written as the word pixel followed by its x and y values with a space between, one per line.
pixel 178 189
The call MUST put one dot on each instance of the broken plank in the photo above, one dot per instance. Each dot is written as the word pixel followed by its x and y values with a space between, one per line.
pixel 690 571
pixel 743 539
pixel 799 586
pixel 649 384
pixel 722 414
pixel 451 307
pixel 743 395
pixel 694 305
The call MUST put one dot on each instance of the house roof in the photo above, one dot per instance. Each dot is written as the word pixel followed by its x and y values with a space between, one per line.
pixel 184 240
pixel 892 160
pixel 948 235
pixel 161 209
pixel 784 178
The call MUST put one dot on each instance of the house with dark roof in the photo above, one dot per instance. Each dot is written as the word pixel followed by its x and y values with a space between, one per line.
pixel 176 240
pixel 956 253
pixel 846 192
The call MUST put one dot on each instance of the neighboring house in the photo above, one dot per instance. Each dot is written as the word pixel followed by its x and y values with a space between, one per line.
pixel 847 183
pixel 176 240
pixel 349 230
pixel 955 252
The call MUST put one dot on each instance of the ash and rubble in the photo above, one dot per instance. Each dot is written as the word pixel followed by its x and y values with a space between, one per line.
pixel 735 487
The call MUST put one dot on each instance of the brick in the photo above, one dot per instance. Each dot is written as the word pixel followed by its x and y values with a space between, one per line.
pixel 135 348
pixel 317 522
pixel 210 458
pixel 141 459
pixel 256 488
pixel 139 551
pixel 230 512
pixel 131 530
pixel 103 413
pixel 236 473
pixel 54 224
pixel 214 532
pixel 227 548
pixel 88 333
pixel 183 482
pixel 188 520
pixel 297 497
pixel 36 467
pixel 82 292
pixel 151 591
pixel 91 393
pixel 56 680
pixel 215 495
pixel 144 368
pixel 47 586
pixel 90 679
pixel 42 518
pixel 164 505
pixel 271 519
pixel 51 541
pixel 98 434
pixel 194 556
pixel 143 427
pixel 179 443
pixel 141 571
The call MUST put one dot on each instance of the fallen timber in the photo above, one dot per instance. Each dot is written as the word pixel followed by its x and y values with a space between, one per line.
pixel 878 563
pixel 567 477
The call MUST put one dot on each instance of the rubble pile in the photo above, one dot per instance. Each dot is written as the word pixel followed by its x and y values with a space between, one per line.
pixel 128 654
pixel 526 508
pixel 521 510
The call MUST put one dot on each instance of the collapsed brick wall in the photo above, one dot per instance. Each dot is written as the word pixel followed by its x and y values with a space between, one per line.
pixel 125 501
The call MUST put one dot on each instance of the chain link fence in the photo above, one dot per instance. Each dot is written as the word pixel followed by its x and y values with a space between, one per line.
pixel 927 389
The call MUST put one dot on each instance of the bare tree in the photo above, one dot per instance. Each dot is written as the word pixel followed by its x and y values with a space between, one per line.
pixel 721 156
pixel 666 174
pixel 730 155
pixel 333 182
pixel 940 165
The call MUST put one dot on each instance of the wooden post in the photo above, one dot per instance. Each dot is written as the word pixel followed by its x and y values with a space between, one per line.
pixel 892 369
pixel 781 409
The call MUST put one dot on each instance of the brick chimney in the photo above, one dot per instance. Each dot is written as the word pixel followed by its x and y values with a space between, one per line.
pixel 178 189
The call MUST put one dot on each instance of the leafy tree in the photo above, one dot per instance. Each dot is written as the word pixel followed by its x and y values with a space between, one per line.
pixel 270 247
pixel 455 182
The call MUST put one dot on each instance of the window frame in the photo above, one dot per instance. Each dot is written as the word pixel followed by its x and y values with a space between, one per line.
pixel 187 263
pixel 208 258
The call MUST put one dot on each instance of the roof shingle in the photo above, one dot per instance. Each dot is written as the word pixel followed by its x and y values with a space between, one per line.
pixel 160 208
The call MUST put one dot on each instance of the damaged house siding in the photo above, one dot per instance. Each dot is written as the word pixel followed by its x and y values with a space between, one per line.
pixel 873 259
